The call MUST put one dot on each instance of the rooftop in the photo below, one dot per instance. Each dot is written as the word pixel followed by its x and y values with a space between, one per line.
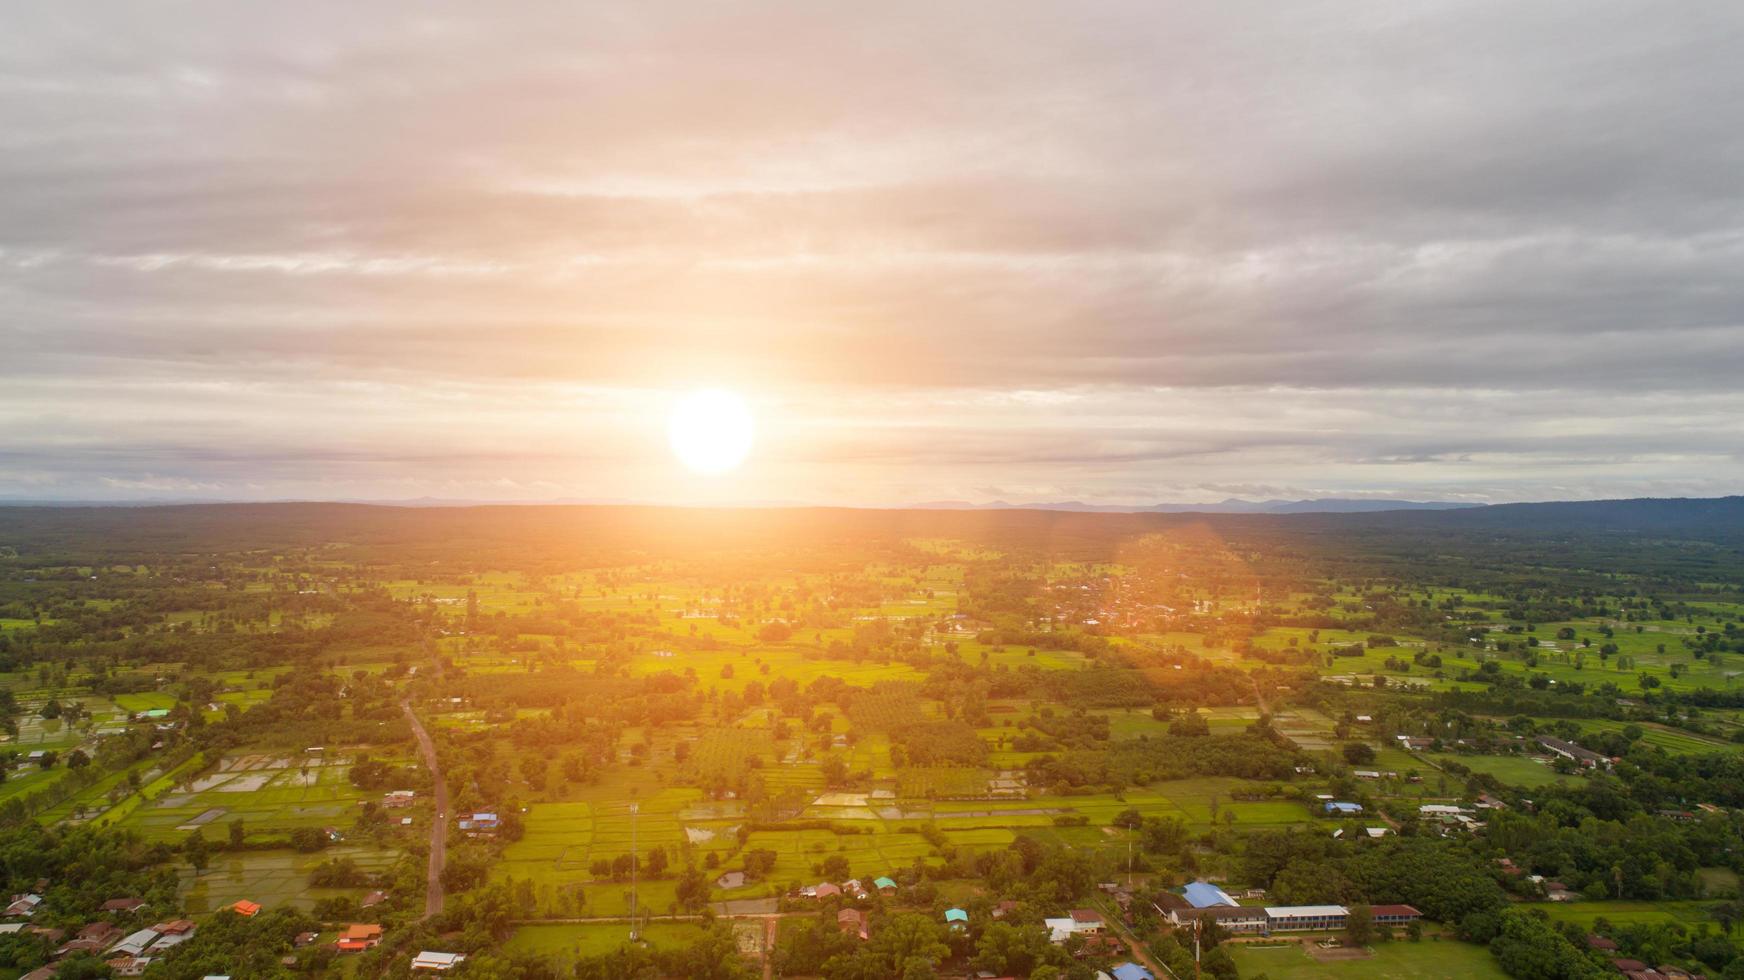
pixel 1306 910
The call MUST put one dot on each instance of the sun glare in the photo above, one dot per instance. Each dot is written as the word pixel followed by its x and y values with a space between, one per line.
pixel 711 431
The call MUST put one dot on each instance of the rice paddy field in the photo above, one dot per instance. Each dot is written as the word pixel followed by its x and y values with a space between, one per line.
pixel 1670 739
pixel 1685 913
pixel 269 792
pixel 273 878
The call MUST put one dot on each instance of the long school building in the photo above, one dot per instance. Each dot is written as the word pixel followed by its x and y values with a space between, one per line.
pixel 1287 918
pixel 1305 918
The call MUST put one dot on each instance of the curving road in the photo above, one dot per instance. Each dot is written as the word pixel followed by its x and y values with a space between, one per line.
pixel 438 825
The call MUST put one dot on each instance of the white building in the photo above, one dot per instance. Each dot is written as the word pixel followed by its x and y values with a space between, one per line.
pixel 439 962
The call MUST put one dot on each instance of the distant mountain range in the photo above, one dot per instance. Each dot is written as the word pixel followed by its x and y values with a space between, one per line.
pixel 1232 505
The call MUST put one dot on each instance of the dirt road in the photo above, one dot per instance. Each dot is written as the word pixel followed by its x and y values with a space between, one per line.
pixel 439 826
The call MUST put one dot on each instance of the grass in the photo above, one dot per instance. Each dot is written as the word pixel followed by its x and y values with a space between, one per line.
pixel 567 943
pixel 1686 913
pixel 1511 770
pixel 1428 960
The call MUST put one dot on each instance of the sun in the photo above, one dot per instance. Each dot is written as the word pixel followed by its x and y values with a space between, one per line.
pixel 711 431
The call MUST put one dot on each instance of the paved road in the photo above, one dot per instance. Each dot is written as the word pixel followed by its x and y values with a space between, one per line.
pixel 438 826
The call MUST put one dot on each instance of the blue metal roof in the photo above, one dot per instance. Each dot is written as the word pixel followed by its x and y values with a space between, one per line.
pixel 956 915
pixel 1204 895
pixel 1132 971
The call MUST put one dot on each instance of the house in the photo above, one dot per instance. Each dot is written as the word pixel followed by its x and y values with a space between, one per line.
pixel 826 890
pixel 1628 966
pixel 40 973
pixel 1101 945
pixel 24 905
pixel 479 823
pixel 885 886
pixel 399 798
pixel 1343 808
pixel 1237 920
pixel 1556 891
pixel 1509 867
pixel 1004 909
pixel 1086 920
pixel 103 932
pixel 1569 750
pixel 1305 918
pixel 244 908
pixel 128 966
pixel 1441 810
pixel 135 943
pixel 125 905
pixel 1131 971
pixel 956 918
pixel 356 938
pixel 1058 929
pixel 1414 742
pixel 853 887
pixel 1204 895
pixel 852 922
pixel 304 939
pixel 1366 773
pixel 373 899
pixel 172 933
pixel 1601 943
pixel 1394 915
pixel 72 946
pixel 439 962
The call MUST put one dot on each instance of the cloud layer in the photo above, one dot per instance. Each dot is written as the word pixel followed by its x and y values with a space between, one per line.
pixel 1117 252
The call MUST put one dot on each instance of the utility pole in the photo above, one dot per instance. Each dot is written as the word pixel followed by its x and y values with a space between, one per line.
pixel 1197 922
pixel 635 863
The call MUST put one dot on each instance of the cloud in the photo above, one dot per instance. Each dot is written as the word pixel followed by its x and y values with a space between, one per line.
pixel 1118 251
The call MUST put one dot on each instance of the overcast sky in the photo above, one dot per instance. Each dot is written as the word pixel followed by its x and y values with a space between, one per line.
pixel 1111 252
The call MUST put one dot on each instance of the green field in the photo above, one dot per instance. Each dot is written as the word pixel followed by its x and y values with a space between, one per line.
pixel 565 943
pixel 268 791
pixel 1511 770
pixel 272 878
pixel 1443 959
pixel 1685 913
